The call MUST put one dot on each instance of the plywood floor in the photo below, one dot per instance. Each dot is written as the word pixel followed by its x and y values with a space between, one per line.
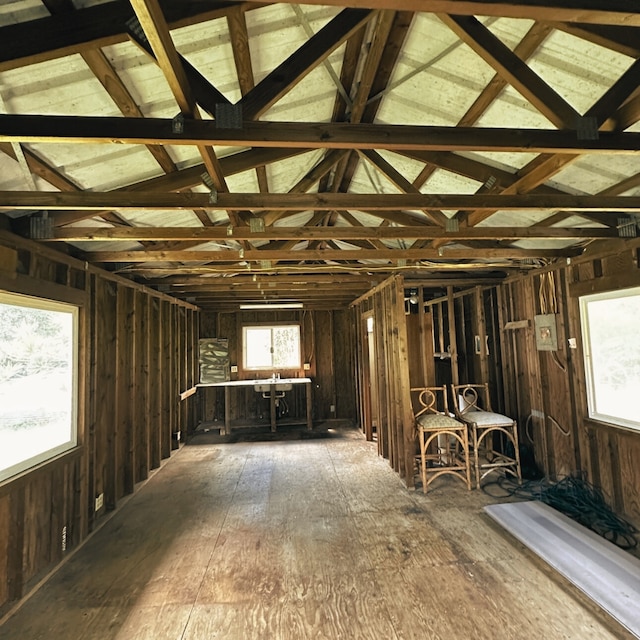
pixel 302 539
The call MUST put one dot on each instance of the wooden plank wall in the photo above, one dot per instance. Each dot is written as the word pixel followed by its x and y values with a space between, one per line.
pixel 545 390
pixel 327 346
pixel 395 432
pixel 552 384
pixel 129 406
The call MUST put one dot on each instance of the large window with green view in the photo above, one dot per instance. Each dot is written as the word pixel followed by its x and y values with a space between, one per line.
pixel 38 381
pixel 611 342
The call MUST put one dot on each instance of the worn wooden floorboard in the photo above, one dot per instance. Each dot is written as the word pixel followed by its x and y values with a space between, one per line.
pixel 291 540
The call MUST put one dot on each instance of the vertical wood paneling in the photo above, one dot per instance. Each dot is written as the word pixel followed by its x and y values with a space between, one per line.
pixel 140 387
pixel 166 377
pixel 396 436
pixel 119 423
pixel 154 383
pixel 125 366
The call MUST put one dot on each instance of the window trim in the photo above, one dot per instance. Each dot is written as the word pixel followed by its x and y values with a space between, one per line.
pixel 590 391
pixel 271 325
pixel 50 455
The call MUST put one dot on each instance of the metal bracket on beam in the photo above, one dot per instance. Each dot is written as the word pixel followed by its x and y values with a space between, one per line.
pixel 208 182
pixel 135 29
pixel 228 116
pixel 587 128
pixel 41 226
pixel 627 227
pixel 452 225
pixel 177 124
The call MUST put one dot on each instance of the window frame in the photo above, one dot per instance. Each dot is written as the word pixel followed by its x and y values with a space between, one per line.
pixel 270 325
pixel 590 382
pixel 19 299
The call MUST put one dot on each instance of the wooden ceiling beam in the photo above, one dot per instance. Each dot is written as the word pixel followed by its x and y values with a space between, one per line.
pixel 513 69
pixel 338 255
pixel 321 169
pixel 91 200
pixel 302 61
pixel 615 12
pixel 239 37
pixel 546 165
pixel 107 130
pixel 93 27
pixel 392 174
pixel 529 44
pixel 156 29
pixel 617 38
pixel 206 234
pixel 113 85
pixel 191 177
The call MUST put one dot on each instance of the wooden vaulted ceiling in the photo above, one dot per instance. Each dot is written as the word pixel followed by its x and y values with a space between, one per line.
pixel 231 152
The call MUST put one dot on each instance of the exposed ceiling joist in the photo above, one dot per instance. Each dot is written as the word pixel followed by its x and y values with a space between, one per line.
pixel 139 234
pixel 107 130
pixel 30 200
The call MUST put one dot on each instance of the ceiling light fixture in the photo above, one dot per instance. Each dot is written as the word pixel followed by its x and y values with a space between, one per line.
pixel 272 305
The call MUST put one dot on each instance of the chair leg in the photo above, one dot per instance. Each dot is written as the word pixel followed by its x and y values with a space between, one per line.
pixel 476 456
pixel 423 461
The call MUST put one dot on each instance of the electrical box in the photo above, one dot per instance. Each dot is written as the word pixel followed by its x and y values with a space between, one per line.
pixel 546 332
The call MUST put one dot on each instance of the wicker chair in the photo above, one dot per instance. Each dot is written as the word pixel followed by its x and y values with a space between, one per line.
pixel 472 405
pixel 449 453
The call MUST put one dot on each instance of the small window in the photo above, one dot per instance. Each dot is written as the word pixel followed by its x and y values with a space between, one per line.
pixel 612 355
pixel 271 347
pixel 38 373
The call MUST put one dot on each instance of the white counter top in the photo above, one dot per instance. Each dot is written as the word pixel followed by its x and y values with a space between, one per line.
pixel 251 383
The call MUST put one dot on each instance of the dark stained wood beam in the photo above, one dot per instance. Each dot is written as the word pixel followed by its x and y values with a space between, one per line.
pixel 307 181
pixel 93 27
pixel 617 38
pixel 392 174
pixel 529 44
pixel 616 12
pixel 190 177
pixel 91 200
pixel 378 61
pixel 105 130
pixel 513 69
pixel 327 254
pixel 303 61
pixel 264 280
pixel 357 231
pixel 546 165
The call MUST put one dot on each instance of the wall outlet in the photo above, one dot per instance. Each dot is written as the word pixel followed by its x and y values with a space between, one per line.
pixel 306 366
pixel 234 368
pixel 537 414
pixel 573 343
pixel 332 409
pixel 99 502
